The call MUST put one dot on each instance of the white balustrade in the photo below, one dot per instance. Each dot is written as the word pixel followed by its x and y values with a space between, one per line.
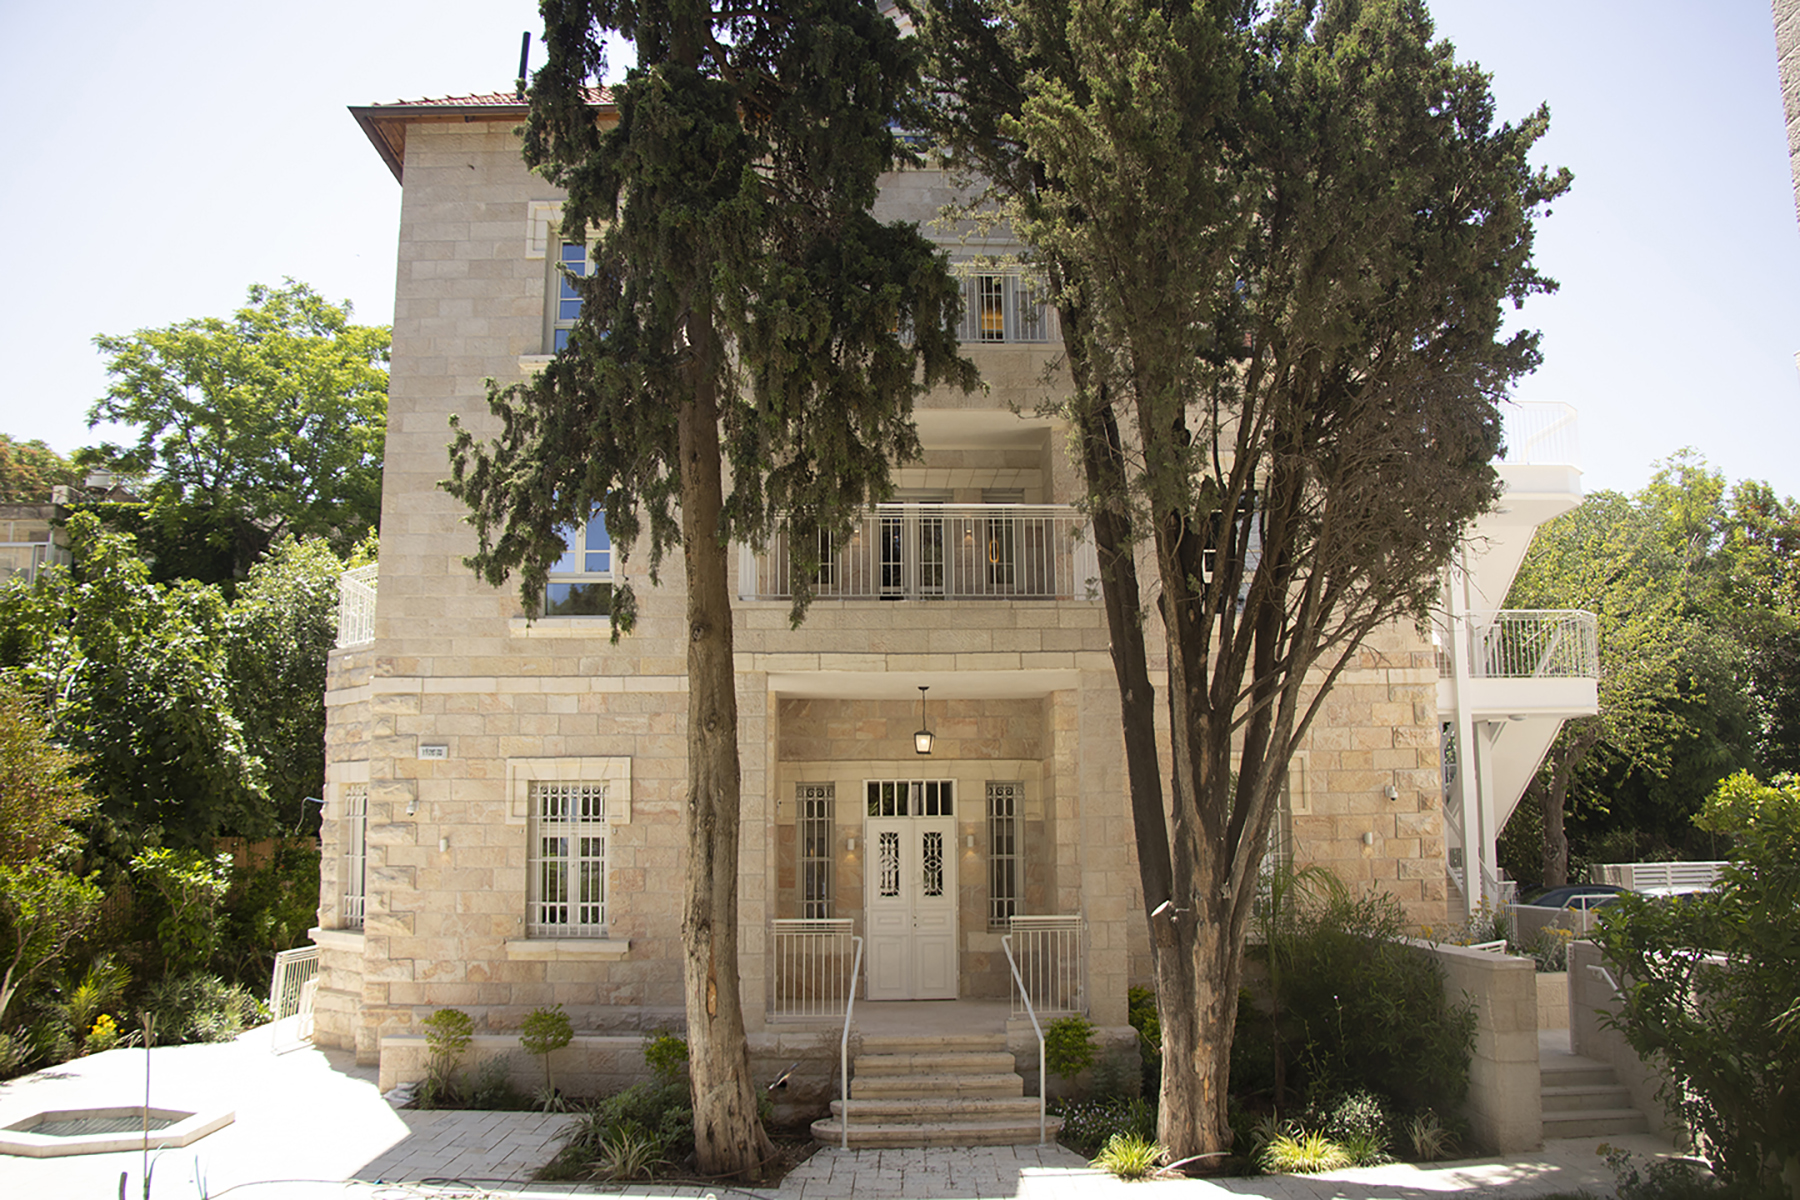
pixel 1528 643
pixel 1539 434
pixel 1050 955
pixel 813 968
pixel 356 606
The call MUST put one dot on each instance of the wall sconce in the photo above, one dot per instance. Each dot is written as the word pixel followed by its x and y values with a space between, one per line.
pixel 443 843
pixel 1391 792
pixel 850 845
pixel 922 740
pixel 968 841
pixel 1369 838
pixel 412 805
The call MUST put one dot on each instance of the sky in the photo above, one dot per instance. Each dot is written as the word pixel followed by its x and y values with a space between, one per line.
pixel 175 152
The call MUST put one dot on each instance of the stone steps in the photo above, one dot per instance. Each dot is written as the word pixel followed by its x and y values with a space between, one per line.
pixel 935 1091
pixel 1583 1098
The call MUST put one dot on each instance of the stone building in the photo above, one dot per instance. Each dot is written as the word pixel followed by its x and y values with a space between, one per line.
pixel 504 797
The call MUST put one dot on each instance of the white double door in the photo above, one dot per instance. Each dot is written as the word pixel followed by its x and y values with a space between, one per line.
pixel 910 908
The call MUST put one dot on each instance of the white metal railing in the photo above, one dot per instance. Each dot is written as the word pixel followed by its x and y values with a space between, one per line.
pixel 943 552
pixel 291 989
pixel 813 975
pixel 1051 965
pixel 844 1046
pixel 1527 643
pixel 1641 876
pixel 1043 1080
pixel 1540 434
pixel 1004 306
pixel 356 606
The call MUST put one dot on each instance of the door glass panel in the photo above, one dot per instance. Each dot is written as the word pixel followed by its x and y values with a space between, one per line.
pixel 887 857
pixel 932 864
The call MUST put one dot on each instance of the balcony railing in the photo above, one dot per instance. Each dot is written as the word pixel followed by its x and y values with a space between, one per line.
pixel 356 606
pixel 1540 434
pixel 813 965
pixel 1527 643
pixel 1001 307
pixel 943 552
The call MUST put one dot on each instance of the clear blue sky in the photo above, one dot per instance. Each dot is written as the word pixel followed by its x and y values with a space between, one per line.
pixel 165 154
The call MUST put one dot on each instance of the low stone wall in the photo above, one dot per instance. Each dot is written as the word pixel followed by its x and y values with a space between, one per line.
pixel 1590 998
pixel 1505 1104
pixel 1553 999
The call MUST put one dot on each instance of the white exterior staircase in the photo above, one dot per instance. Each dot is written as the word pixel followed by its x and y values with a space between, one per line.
pixel 1584 1098
pixel 957 1090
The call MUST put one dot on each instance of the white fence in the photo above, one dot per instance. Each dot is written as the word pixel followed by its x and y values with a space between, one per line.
pixel 1528 643
pixel 1050 953
pixel 813 963
pixel 291 991
pixel 1540 434
pixel 1642 876
pixel 356 606
pixel 943 552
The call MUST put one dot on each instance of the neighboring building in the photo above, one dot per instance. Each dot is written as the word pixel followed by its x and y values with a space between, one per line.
pixel 504 795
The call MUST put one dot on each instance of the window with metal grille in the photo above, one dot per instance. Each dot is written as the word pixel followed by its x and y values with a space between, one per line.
pixel 567 868
pixel 817 807
pixel 912 797
pixel 356 854
pixel 1003 803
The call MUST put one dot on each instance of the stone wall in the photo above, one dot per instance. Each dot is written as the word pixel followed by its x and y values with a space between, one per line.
pixel 1591 1000
pixel 1505 1104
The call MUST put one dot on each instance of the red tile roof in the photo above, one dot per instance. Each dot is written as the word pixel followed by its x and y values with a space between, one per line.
pixel 385 124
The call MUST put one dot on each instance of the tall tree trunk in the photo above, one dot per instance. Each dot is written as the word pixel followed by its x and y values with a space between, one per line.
pixel 1204 967
pixel 728 1138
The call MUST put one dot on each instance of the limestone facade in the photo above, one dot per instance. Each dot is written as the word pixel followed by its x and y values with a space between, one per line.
pixel 441 724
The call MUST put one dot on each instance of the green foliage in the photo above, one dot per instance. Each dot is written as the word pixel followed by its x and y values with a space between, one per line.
pixel 134 677
pixel 448 1034
pixel 1068 1046
pixel 268 909
pixel 543 1032
pixel 42 910
pixel 269 423
pixel 1551 949
pixel 667 1056
pixel 1141 1014
pixel 1429 1138
pixel 653 1120
pixel 1710 987
pixel 1666 1179
pixel 83 1002
pixel 191 886
pixel 1361 1009
pixel 29 470
pixel 490 1088
pixel 1129 1156
pixel 1089 1124
pixel 42 793
pixel 1302 1153
pixel 200 1007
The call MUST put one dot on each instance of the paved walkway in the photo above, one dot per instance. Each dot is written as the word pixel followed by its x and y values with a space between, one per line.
pixel 310 1125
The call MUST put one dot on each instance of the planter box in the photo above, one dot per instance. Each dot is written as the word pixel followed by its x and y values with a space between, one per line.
pixel 1553 999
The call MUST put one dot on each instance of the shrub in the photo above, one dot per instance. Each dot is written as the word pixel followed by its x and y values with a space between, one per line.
pixel 634 1130
pixel 1141 1012
pixel 1302 1153
pixel 200 1008
pixel 448 1032
pixel 1551 950
pixel 268 910
pixel 1361 1115
pixel 545 1031
pixel 667 1056
pixel 191 887
pixel 1129 1156
pixel 1068 1046
pixel 1089 1124
pixel 1429 1137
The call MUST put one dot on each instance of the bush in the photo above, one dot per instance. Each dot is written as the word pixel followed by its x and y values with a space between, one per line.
pixel 545 1031
pixel 1129 1156
pixel 1068 1046
pixel 1359 1009
pixel 268 910
pixel 1711 985
pixel 1141 1012
pixel 630 1133
pixel 448 1033
pixel 200 1008
pixel 1089 1124
pixel 1302 1153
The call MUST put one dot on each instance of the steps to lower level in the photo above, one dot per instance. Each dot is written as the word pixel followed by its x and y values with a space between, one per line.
pixel 942 1091
pixel 1583 1098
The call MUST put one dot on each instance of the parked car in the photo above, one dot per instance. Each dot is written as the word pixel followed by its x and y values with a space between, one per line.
pixel 1583 896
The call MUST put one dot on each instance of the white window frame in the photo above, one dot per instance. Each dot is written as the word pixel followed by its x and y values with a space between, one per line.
pixel 815 830
pixel 567 863
pixel 1005 834
pixel 567 942
pixel 354 903
pixel 583 565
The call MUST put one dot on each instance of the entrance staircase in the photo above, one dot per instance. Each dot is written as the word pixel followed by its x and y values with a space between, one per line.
pixel 1583 1098
pixel 941 1090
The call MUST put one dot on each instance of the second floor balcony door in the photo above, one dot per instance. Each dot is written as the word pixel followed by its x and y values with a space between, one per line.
pixel 912 548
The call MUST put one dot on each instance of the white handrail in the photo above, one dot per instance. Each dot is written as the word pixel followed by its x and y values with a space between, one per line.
pixel 844 1043
pixel 1006 945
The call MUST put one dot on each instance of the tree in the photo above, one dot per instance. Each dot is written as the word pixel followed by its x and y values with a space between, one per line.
pixel 133 677
pixel 1710 987
pixel 269 423
pixel 1285 248
pixel 42 793
pixel 28 470
pixel 42 909
pixel 745 309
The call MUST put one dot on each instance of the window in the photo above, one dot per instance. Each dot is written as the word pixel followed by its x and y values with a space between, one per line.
pixel 356 854
pixel 817 805
pixel 581 581
pixel 567 867
pixel 1004 308
pixel 912 797
pixel 1003 802
pixel 564 301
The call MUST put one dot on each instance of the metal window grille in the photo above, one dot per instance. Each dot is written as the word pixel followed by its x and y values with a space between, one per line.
pixel 568 860
pixel 817 804
pixel 912 797
pixel 356 854
pixel 1003 852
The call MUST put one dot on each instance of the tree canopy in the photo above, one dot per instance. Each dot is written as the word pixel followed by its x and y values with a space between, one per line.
pixel 29 470
pixel 746 311
pixel 270 422
pixel 1281 246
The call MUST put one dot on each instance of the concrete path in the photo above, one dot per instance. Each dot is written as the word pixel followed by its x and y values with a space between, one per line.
pixel 310 1125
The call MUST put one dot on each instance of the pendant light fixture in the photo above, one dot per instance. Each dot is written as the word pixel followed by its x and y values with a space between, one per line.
pixel 922 740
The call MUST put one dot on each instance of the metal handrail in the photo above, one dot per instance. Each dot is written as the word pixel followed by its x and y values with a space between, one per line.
pixel 844 1043
pixel 1006 945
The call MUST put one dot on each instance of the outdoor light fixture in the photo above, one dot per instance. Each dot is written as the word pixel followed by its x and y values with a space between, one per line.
pixel 922 740
pixel 1391 792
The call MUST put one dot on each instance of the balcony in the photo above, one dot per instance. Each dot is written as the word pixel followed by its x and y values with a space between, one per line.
pixel 943 552
pixel 356 607
pixel 1527 643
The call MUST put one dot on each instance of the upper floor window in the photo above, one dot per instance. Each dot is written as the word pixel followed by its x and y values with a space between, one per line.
pixel 581 581
pixel 564 302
